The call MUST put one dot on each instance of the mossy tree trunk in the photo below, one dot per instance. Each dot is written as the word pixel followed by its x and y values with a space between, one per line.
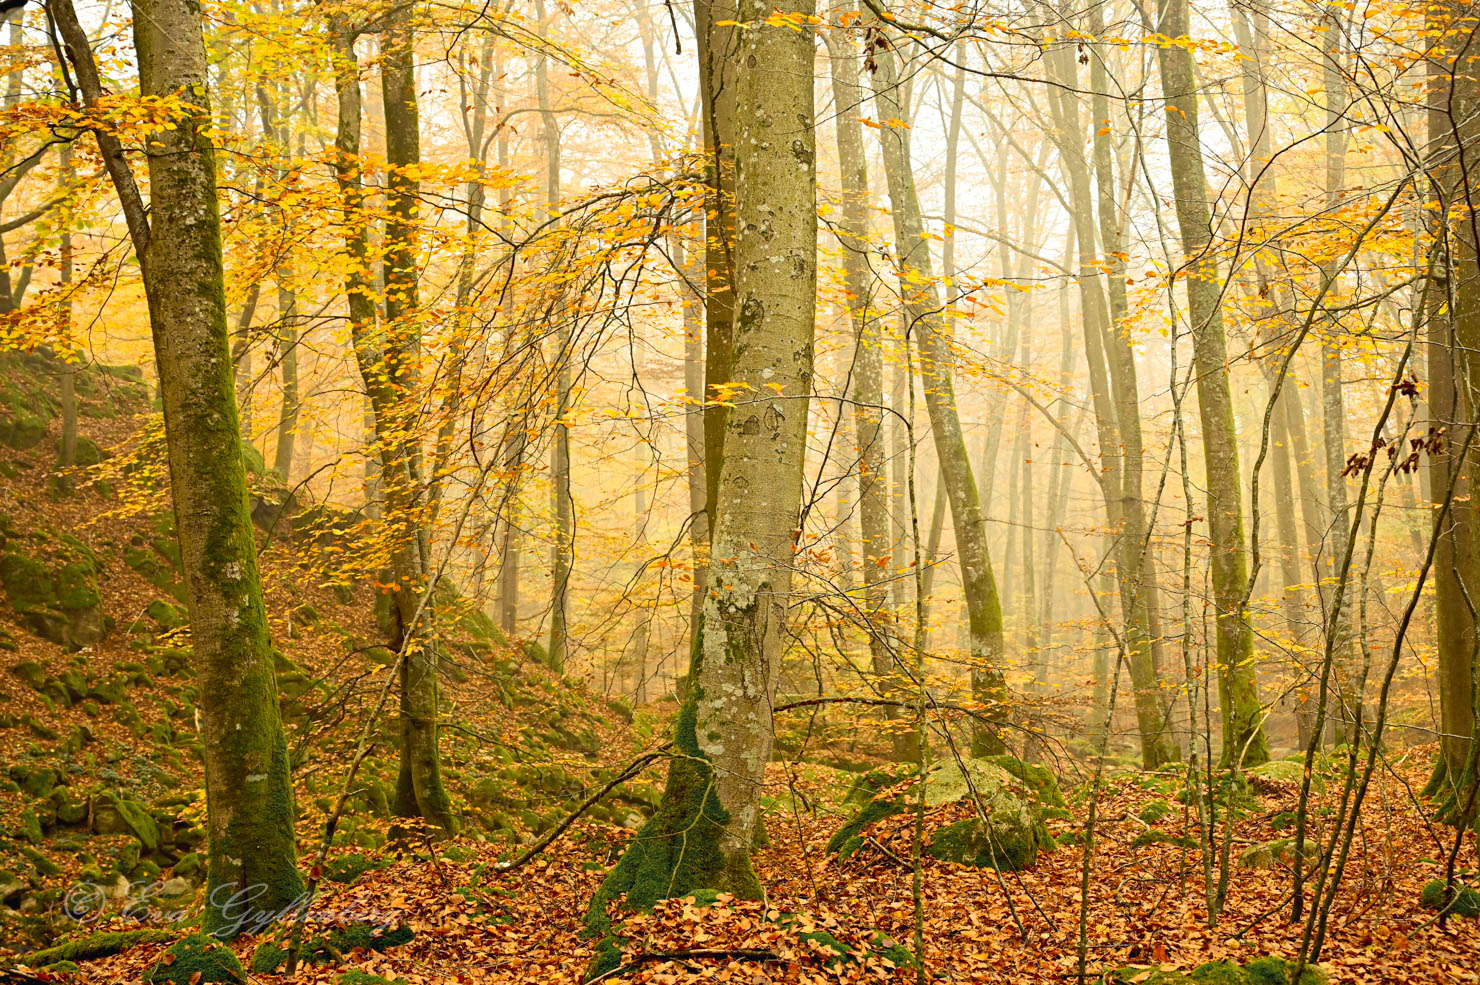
pixel 1112 373
pixel 253 871
pixel 389 373
pixel 924 311
pixel 703 831
pixel 1238 690
pixel 1454 396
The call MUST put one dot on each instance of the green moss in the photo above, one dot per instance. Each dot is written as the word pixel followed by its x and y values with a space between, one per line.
pixel 1155 812
pixel 99 945
pixel 605 958
pixel 267 958
pixel 167 615
pixel 677 850
pixel 1220 973
pixel 1039 779
pixel 348 868
pixel 196 960
pixel 1276 971
pixel 1162 838
pixel 849 838
pixel 357 977
pixel 971 842
pixel 31 673
pixel 1466 903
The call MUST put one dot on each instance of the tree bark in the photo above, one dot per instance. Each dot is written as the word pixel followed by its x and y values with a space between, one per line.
pixel 703 831
pixel 389 374
pixel 1238 693
pixel 252 872
pixel 923 308
pixel 868 362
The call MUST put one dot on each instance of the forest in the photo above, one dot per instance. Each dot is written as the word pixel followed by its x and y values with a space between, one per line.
pixel 739 490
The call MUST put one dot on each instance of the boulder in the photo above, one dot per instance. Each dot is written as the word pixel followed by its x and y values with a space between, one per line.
pixel 56 598
pixel 1010 837
pixel 112 814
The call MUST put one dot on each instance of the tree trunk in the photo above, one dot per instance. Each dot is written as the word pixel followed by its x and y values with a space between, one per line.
pixel 561 507
pixel 1112 373
pixel 923 308
pixel 868 362
pixel 253 874
pixel 1454 396
pixel 702 833
pixel 64 319
pixel 1238 692
pixel 389 374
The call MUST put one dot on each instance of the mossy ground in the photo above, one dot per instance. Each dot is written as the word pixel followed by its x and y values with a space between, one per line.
pixel 196 960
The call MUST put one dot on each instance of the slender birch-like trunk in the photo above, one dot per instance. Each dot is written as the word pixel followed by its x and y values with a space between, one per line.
pixel 923 308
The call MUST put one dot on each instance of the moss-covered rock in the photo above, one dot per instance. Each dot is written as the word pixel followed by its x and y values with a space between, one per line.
pixel 267 958
pixel 1266 854
pixel 112 814
pixel 357 977
pixel 56 596
pixel 31 673
pixel 1220 973
pixel 1466 902
pixel 849 838
pixel 1155 812
pixel 167 615
pixel 196 960
pixel 1278 971
pixel 1012 833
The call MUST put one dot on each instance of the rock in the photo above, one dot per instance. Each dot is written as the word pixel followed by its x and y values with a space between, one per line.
pixel 38 781
pixel 57 599
pixel 112 814
pixel 12 889
pixel 167 615
pixel 31 673
pixel 188 866
pixel 1010 838
pixel 21 430
pixel 1466 903
pixel 177 886
pixel 1265 854
pixel 88 452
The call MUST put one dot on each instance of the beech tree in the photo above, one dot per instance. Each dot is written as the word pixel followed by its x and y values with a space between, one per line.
pixel 253 871
pixel 705 826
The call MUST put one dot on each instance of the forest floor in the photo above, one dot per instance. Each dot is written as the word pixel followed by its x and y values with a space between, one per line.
pixel 99 784
pixel 476 923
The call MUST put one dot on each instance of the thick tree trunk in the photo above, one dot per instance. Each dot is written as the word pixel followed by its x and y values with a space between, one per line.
pixel 253 874
pixel 1454 396
pixel 703 831
pixel 1238 691
pixel 922 304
